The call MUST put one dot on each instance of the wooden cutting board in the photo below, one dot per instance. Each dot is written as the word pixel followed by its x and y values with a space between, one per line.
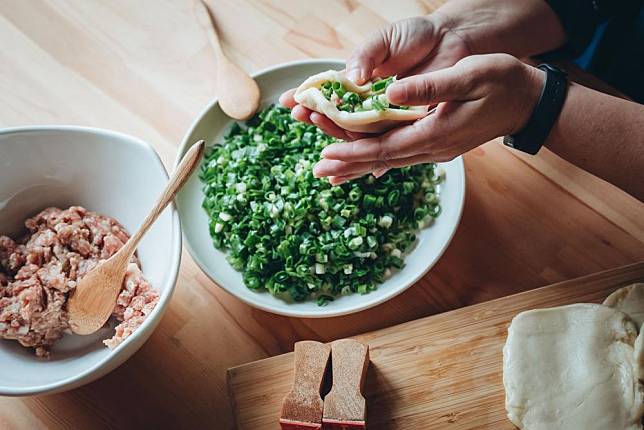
pixel 438 372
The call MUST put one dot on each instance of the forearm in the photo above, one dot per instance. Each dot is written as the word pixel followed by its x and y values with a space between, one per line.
pixel 519 27
pixel 603 135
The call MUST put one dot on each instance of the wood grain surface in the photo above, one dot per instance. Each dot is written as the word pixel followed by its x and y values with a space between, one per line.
pixel 147 68
pixel 441 371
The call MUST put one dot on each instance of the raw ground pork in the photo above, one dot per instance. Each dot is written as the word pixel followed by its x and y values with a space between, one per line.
pixel 38 273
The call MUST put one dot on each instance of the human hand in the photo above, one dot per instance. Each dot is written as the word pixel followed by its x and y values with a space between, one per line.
pixel 478 99
pixel 424 44
pixel 457 29
pixel 407 47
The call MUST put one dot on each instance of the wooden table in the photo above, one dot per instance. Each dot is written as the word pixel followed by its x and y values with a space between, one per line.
pixel 146 68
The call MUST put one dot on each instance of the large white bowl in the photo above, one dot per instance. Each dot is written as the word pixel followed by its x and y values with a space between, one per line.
pixel 107 172
pixel 211 126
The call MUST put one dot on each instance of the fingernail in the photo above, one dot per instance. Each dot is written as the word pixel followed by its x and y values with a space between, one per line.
pixel 396 93
pixel 316 171
pixel 315 117
pixel 378 173
pixel 355 75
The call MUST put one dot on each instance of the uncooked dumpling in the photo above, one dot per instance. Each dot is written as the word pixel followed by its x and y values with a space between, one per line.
pixel 360 108
pixel 573 367
pixel 629 300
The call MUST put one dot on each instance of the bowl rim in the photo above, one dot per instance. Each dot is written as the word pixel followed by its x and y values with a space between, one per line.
pixel 121 352
pixel 328 311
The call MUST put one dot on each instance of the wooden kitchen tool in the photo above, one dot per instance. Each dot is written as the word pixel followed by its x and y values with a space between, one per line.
pixel 345 407
pixel 237 93
pixel 440 372
pixel 94 298
pixel 302 406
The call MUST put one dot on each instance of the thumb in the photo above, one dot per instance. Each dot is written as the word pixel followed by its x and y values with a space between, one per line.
pixel 367 56
pixel 393 50
pixel 450 84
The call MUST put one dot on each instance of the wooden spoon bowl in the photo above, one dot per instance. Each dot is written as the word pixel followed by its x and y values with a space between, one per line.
pixel 94 298
pixel 237 93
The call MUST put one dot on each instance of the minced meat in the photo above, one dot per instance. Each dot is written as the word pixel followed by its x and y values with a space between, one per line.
pixel 38 273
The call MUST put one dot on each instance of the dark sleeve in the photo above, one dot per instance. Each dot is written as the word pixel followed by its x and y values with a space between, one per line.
pixel 580 18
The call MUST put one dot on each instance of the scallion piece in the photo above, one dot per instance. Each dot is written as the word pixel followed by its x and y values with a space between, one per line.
pixel 348 101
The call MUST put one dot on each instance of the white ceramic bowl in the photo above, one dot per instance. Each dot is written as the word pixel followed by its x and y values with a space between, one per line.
pixel 212 124
pixel 107 172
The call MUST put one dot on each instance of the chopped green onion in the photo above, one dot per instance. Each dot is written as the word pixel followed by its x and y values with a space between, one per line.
pixel 351 98
pixel 296 236
pixel 385 221
pixel 379 86
pixel 349 101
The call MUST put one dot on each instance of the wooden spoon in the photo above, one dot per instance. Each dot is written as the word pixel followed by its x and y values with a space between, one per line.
pixel 238 93
pixel 91 305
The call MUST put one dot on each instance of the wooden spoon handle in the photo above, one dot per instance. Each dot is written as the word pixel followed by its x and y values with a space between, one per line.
pixel 179 177
pixel 208 23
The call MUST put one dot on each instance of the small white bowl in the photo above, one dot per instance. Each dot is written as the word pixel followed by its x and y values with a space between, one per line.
pixel 106 172
pixel 213 124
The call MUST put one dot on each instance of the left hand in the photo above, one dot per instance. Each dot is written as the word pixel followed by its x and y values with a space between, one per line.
pixel 478 99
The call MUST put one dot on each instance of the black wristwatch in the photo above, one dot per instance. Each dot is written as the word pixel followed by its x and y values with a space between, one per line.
pixel 531 138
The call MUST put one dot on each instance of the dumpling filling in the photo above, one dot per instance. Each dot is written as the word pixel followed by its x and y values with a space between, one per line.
pixel 39 272
pixel 360 108
pixel 349 101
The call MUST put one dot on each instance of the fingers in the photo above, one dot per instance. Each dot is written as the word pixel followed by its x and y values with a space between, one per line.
pixel 366 56
pixel 411 42
pixel 451 131
pixel 393 50
pixel 339 180
pixel 287 100
pixel 380 172
pixel 452 83
pixel 301 113
pixel 398 143
pixel 332 129
pixel 308 116
pixel 341 169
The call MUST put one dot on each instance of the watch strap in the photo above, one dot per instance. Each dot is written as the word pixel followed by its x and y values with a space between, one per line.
pixel 531 138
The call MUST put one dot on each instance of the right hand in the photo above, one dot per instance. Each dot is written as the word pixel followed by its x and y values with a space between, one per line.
pixel 478 99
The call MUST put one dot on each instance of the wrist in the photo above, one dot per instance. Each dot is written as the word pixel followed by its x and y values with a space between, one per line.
pixel 503 26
